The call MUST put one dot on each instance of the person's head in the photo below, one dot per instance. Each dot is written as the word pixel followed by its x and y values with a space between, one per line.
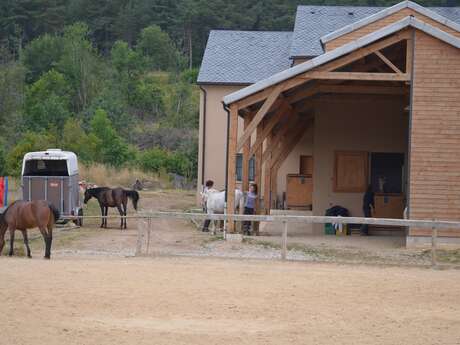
pixel 209 183
pixel 253 188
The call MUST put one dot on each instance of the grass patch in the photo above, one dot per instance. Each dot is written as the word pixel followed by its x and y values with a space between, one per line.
pixel 265 244
pixel 212 239
pixel 445 256
pixel 121 177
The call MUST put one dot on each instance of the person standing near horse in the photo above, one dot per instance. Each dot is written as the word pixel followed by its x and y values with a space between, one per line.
pixel 116 197
pixel 249 207
pixel 23 215
pixel 368 208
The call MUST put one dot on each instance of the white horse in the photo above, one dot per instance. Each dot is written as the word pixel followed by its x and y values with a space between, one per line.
pixel 213 202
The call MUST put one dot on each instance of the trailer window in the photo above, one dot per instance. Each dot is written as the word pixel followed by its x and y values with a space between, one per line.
pixel 39 167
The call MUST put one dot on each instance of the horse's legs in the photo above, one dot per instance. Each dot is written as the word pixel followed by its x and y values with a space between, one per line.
pixel 206 225
pixel 121 214
pixel 48 238
pixel 125 208
pixel 106 213
pixel 11 241
pixel 2 238
pixel 102 214
pixel 26 242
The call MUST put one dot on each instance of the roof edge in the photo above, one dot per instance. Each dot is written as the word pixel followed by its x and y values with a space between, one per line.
pixel 341 51
pixel 387 12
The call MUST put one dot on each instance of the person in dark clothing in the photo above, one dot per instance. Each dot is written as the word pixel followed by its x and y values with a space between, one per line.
pixel 368 209
pixel 249 207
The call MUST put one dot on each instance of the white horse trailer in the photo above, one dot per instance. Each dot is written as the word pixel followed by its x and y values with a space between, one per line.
pixel 52 175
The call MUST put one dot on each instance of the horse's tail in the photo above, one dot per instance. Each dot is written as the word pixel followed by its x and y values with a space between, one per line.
pixel 55 212
pixel 134 196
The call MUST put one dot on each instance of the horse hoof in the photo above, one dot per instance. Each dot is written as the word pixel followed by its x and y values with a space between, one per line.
pixel 29 256
pixel 46 257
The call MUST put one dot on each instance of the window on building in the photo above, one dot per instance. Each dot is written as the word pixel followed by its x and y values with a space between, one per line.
pixel 239 168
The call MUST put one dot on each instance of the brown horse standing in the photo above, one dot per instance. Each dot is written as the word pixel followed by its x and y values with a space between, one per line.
pixel 116 197
pixel 23 215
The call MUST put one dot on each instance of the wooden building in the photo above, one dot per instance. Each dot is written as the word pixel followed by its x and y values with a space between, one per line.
pixel 380 106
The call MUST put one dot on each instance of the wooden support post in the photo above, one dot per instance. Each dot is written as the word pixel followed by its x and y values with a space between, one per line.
pixel 409 54
pixel 267 182
pixel 246 158
pixel 434 244
pixel 284 241
pixel 258 181
pixel 231 173
pixel 274 186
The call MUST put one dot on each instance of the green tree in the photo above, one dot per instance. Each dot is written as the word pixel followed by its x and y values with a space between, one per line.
pixel 41 55
pixel 3 170
pixel 159 49
pixel 48 103
pixel 12 84
pixel 80 65
pixel 75 139
pixel 110 147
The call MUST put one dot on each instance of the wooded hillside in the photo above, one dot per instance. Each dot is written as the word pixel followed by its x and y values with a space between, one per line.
pixel 114 80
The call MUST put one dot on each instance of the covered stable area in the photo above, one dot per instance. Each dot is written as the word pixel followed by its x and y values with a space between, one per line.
pixel 324 130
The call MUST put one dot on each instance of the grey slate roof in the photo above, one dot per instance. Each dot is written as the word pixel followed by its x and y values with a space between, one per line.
pixel 313 22
pixel 244 57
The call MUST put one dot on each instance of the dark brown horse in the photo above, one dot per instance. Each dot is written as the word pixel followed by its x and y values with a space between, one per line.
pixel 23 215
pixel 116 197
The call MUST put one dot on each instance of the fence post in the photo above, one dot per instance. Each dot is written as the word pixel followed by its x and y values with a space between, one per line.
pixel 284 241
pixel 434 243
pixel 139 237
pixel 149 229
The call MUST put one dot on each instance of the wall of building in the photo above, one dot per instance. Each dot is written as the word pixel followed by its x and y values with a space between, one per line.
pixel 365 30
pixel 215 136
pixel 435 149
pixel 347 123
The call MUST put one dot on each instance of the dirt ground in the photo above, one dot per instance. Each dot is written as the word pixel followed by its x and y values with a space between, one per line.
pixel 94 291
pixel 212 301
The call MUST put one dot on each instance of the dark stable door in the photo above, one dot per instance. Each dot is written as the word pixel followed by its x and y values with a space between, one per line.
pixel 306 165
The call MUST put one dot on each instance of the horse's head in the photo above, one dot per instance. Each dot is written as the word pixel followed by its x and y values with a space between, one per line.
pixel 88 195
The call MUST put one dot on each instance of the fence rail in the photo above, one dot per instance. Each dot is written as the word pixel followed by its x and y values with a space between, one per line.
pixel 284 220
pixel 424 224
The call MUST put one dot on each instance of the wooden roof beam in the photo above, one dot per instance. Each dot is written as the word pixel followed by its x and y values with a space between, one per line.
pixel 358 76
pixel 259 116
pixel 388 62
pixel 271 123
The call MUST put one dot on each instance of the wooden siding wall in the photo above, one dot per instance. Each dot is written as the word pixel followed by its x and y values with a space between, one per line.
pixel 435 142
pixel 383 23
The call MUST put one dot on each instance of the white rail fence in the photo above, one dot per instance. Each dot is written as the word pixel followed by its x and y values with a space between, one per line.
pixel 433 225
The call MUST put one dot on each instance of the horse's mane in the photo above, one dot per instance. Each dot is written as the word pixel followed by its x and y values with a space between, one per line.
pixel 97 190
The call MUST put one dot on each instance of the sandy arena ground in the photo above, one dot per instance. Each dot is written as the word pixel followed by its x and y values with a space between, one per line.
pixel 94 291
pixel 212 301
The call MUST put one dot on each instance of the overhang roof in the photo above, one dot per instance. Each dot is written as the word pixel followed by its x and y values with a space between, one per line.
pixel 341 51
